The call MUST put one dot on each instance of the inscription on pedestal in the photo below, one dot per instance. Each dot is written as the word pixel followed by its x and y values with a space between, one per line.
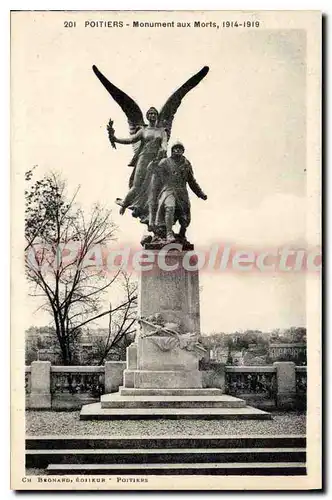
pixel 175 293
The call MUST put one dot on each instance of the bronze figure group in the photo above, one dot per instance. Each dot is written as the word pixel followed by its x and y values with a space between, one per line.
pixel 157 193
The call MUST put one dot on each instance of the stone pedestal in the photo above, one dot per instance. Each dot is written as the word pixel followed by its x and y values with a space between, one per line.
pixel 152 356
pixel 162 379
pixel 170 289
pixel 154 368
pixel 157 361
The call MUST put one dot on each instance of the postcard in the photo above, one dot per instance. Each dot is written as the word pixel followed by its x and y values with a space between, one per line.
pixel 166 250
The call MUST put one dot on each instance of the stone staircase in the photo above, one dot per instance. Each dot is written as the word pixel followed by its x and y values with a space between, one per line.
pixel 168 455
pixel 133 403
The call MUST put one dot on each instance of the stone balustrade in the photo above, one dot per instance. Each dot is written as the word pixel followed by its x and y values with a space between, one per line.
pixel 257 385
pixel 70 387
pixel 281 385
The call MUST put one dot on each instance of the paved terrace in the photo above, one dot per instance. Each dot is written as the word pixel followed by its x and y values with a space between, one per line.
pixel 46 423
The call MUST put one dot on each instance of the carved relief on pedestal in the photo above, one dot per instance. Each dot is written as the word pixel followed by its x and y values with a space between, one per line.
pixel 170 335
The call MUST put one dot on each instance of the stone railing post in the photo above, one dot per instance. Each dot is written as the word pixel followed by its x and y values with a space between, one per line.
pixel 220 376
pixel 215 377
pixel 40 395
pixel 114 375
pixel 286 384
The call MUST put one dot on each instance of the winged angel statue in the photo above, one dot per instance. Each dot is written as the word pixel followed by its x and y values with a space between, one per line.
pixel 149 140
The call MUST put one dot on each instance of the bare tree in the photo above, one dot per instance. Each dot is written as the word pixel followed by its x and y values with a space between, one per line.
pixel 64 261
pixel 122 321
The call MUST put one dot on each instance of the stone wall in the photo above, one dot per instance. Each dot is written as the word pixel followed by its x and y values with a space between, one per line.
pixel 281 386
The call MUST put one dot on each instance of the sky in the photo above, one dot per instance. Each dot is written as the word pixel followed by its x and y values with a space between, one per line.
pixel 244 129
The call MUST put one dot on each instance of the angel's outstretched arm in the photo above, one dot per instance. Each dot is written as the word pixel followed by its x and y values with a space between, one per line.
pixel 130 140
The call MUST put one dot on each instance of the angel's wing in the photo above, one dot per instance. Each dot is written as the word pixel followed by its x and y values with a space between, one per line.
pixel 127 104
pixel 169 109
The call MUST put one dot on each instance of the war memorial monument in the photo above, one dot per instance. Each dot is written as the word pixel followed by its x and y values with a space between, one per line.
pixel 162 377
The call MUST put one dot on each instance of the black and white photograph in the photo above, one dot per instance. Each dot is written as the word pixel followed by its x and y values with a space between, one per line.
pixel 166 250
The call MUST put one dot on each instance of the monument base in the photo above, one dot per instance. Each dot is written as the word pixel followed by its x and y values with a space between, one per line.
pixel 156 390
pixel 158 385
pixel 124 391
pixel 96 411
pixel 162 377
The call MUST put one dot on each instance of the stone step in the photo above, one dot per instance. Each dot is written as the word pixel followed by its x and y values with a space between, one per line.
pixel 115 400
pixel 124 391
pixel 259 468
pixel 165 441
pixel 94 411
pixel 42 458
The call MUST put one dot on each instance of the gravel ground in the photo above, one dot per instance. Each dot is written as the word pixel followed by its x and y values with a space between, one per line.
pixel 41 423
